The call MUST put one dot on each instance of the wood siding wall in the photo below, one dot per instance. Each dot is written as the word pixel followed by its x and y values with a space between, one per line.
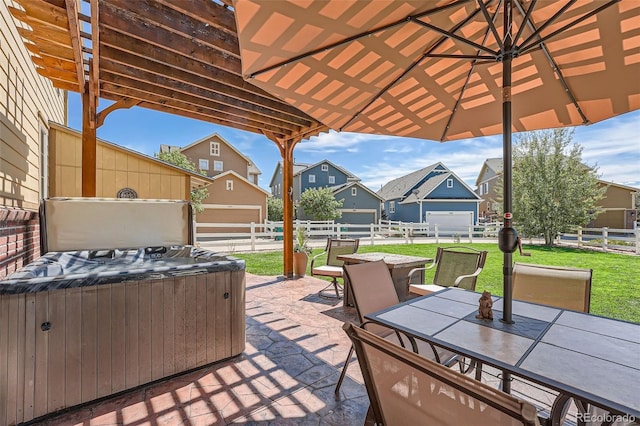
pixel 230 158
pixel 116 169
pixel 108 338
pixel 27 103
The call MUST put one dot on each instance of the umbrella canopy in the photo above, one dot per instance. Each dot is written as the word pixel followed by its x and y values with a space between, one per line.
pixel 447 69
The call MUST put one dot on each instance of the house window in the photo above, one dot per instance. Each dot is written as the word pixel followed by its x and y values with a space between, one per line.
pixel 214 149
pixel 354 192
pixel 325 167
pixel 449 183
pixel 217 166
pixel 203 164
pixel 312 178
pixel 229 185
pixel 392 206
pixel 486 187
pixel 332 179
pixel 480 189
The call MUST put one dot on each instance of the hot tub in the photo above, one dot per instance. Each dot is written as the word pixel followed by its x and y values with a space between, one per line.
pixel 82 324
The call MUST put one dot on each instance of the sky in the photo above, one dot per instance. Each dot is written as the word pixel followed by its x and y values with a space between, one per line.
pixel 612 146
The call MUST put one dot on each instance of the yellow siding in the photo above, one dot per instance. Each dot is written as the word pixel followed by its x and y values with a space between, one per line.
pixel 27 103
pixel 116 169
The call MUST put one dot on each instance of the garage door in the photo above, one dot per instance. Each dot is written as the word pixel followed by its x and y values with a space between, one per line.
pixel 227 215
pixel 450 221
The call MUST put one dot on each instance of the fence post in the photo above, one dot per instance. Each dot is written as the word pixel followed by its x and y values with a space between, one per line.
pixel 637 240
pixel 579 236
pixel 253 236
pixel 470 234
pixel 605 237
pixel 371 230
pixel 435 227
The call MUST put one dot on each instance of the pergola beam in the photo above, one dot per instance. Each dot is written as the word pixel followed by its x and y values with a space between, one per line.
pixel 76 42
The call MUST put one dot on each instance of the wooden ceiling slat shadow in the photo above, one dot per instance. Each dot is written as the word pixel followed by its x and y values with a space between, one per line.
pixel 181 58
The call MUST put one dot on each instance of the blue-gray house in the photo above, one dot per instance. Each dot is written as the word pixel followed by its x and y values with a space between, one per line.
pixel 361 205
pixel 433 195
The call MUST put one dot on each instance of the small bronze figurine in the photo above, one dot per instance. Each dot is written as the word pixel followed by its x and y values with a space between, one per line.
pixel 485 311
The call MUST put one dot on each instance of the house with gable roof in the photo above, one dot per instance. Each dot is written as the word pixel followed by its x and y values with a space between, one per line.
pixel 234 195
pixel 361 205
pixel 617 207
pixel 215 155
pixel 433 195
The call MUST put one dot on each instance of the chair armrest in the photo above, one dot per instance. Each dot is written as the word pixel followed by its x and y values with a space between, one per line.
pixel 414 270
pixel 462 277
pixel 313 259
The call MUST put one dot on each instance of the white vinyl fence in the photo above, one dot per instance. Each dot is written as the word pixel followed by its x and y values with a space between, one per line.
pixel 268 235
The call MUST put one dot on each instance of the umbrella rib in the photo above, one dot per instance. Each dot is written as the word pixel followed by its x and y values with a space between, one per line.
pixel 490 21
pixel 412 66
pixel 456 37
pixel 526 18
pixel 556 69
pixel 356 37
pixel 549 22
pixel 492 27
pixel 525 49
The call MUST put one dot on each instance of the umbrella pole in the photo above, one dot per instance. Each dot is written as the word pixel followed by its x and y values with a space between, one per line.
pixel 507 245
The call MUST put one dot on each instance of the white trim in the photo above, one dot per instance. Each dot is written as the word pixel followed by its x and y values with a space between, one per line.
pixel 216 163
pixel 202 161
pixel 444 200
pixel 232 206
pixel 214 152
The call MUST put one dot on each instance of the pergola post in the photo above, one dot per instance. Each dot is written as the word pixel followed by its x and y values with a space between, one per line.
pixel 89 102
pixel 286 147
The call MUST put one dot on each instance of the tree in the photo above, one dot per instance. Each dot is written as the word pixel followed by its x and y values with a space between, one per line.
pixel 179 159
pixel 552 189
pixel 275 209
pixel 320 204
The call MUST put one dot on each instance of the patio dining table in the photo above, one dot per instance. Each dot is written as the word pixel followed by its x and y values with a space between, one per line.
pixel 587 357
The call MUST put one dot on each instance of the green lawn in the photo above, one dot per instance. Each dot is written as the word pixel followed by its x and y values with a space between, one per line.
pixel 615 289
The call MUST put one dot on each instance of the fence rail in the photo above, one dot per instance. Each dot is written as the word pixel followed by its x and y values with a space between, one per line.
pixel 256 236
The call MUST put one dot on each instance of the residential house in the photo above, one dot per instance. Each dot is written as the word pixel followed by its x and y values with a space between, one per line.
pixel 234 196
pixel 214 155
pixel 488 186
pixel 433 195
pixel 28 103
pixel 618 207
pixel 618 204
pixel 232 199
pixel 120 172
pixel 361 205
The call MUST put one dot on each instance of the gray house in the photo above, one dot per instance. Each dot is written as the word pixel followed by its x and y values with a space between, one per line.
pixel 433 195
pixel 361 205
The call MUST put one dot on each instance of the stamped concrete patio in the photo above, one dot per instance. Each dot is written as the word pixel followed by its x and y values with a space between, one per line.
pixel 286 376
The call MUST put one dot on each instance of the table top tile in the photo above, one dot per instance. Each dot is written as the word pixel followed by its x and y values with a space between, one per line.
pixel 408 317
pixel 605 326
pixel 608 380
pixel 445 306
pixel 486 341
pixel 460 295
pixel 613 349
pixel 392 260
pixel 530 310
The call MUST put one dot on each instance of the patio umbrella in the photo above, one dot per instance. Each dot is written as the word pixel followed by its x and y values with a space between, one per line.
pixel 448 69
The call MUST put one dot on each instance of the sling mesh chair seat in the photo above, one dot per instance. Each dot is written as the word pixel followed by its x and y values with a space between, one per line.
pixel 372 288
pixel 405 388
pixel 333 267
pixel 455 267
pixel 557 286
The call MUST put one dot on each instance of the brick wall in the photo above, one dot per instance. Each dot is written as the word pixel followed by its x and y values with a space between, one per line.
pixel 19 239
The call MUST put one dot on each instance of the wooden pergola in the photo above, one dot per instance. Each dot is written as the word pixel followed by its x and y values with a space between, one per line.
pixel 179 57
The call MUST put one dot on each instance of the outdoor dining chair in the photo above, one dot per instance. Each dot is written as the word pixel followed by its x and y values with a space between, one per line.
pixel 333 267
pixel 455 267
pixel 406 388
pixel 372 288
pixel 560 287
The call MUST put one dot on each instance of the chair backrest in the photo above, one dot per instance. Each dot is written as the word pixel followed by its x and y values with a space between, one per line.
pixel 338 247
pixel 372 289
pixel 453 262
pixel 561 287
pixel 406 388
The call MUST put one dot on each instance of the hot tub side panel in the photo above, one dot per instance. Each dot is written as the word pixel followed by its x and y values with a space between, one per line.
pixel 63 347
